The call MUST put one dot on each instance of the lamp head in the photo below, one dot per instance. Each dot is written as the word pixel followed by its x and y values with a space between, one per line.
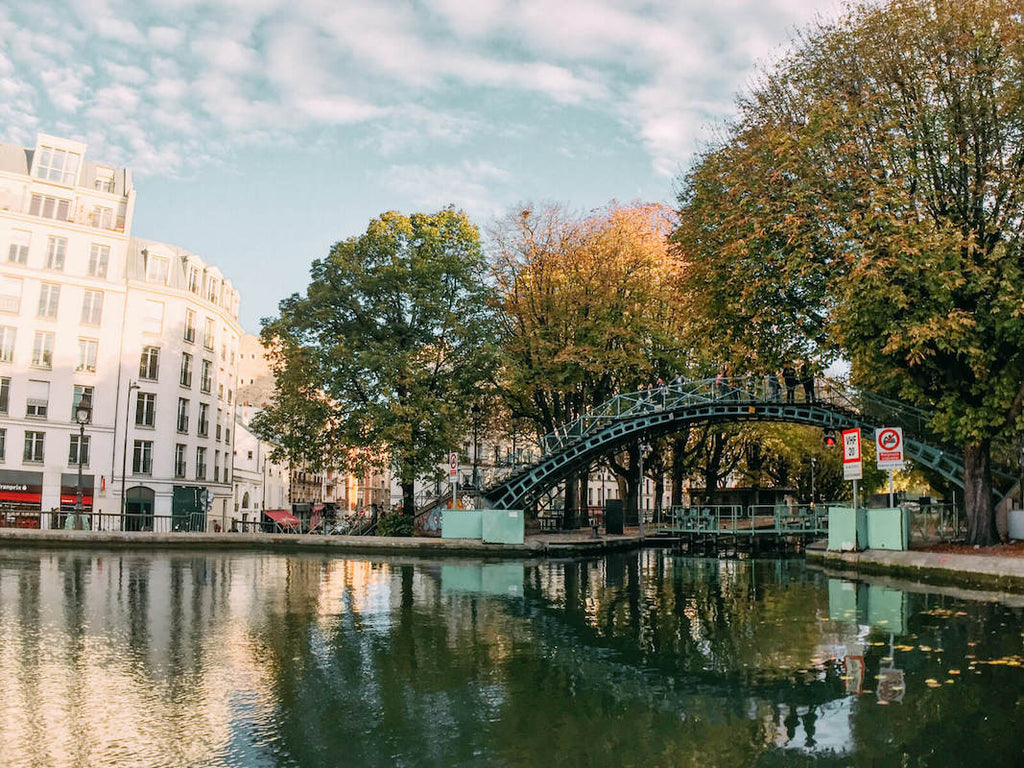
pixel 83 411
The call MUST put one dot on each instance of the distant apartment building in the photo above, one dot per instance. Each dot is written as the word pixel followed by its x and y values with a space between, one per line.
pixel 148 332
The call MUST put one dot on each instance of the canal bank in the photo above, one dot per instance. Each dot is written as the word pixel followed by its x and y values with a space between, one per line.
pixel 940 568
pixel 538 546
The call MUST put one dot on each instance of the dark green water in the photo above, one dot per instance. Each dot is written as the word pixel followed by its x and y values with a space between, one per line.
pixel 652 660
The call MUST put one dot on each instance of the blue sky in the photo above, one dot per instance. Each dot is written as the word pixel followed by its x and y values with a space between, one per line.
pixel 262 131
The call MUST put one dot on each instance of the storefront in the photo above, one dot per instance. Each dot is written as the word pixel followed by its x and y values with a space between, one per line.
pixel 21 499
pixel 188 512
pixel 68 494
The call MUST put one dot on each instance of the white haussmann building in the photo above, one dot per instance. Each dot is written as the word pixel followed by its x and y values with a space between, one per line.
pixel 147 331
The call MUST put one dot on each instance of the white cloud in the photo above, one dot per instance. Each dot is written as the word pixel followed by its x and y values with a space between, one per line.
pixel 126 74
pixel 165 38
pixel 470 186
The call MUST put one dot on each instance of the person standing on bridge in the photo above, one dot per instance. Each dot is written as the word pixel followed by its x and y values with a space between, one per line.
pixel 807 379
pixel 789 377
pixel 774 390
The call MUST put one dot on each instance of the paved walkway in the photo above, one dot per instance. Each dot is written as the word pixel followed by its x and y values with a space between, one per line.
pixel 541 545
pixel 987 571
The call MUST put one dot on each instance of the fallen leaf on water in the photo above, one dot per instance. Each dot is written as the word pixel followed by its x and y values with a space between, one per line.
pixel 932 682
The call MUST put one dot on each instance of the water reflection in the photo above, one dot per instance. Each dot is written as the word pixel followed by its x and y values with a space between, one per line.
pixel 261 660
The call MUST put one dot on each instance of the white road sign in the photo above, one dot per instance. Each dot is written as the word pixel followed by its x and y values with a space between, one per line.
pixel 453 465
pixel 889 448
pixel 852 468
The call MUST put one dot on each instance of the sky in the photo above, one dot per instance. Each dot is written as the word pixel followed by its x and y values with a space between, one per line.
pixel 260 132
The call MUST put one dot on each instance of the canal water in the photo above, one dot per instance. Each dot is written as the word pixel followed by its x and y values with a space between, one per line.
pixel 650 659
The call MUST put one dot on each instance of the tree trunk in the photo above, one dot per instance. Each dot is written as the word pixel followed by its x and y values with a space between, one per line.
pixel 981 514
pixel 678 470
pixel 584 479
pixel 569 509
pixel 409 497
pixel 632 506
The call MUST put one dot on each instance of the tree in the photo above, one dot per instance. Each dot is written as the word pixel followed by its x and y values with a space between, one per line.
pixel 587 310
pixel 876 177
pixel 386 350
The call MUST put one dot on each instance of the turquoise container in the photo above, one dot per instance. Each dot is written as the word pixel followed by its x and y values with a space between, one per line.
pixel 847 529
pixel 502 526
pixel 461 524
pixel 888 528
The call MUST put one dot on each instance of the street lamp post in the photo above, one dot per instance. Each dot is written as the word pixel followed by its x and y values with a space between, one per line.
pixel 814 463
pixel 644 447
pixel 124 452
pixel 83 414
pixel 475 410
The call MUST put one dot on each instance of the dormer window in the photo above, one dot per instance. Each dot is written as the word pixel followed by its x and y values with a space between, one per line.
pixel 105 179
pixel 156 271
pixel 57 165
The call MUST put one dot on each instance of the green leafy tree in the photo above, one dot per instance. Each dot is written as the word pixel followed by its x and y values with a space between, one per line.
pixel 875 178
pixel 382 356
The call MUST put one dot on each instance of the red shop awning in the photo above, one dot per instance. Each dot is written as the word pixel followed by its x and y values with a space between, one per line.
pixel 282 517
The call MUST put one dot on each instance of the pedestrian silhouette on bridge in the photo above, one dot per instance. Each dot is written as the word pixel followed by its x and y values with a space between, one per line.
pixel 789 376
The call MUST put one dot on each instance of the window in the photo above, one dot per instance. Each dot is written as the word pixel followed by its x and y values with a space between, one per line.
pixel 153 321
pixel 193 279
pixel 142 457
pixel 104 179
pixel 223 350
pixel 145 409
pixel 3 444
pixel 42 350
pixel 229 397
pixel 149 363
pixel 50 207
pixel 88 349
pixel 56 249
pixel 205 381
pixel 99 257
pixel 102 217
pixel 186 370
pixel 182 414
pixel 92 308
pixel 34 446
pixel 76 398
pixel 204 420
pixel 10 294
pixel 217 430
pixel 190 325
pixel 179 460
pixel 49 300
pixel 227 434
pixel 18 252
pixel 57 165
pixel 249 455
pixel 5 394
pixel 156 270
pixel 208 334
pixel 79 450
pixel 200 463
pixel 211 289
pixel 220 390
pixel 7 335
pixel 216 466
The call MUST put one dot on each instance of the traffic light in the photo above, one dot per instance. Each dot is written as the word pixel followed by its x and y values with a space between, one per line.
pixel 830 438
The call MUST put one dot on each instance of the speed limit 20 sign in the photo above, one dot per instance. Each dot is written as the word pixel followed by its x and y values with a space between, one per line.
pixel 889 448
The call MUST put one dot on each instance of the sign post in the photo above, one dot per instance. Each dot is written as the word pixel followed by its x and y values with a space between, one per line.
pixel 852 467
pixel 453 476
pixel 889 452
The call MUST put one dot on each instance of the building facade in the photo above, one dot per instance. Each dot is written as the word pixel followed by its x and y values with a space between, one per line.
pixel 147 332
